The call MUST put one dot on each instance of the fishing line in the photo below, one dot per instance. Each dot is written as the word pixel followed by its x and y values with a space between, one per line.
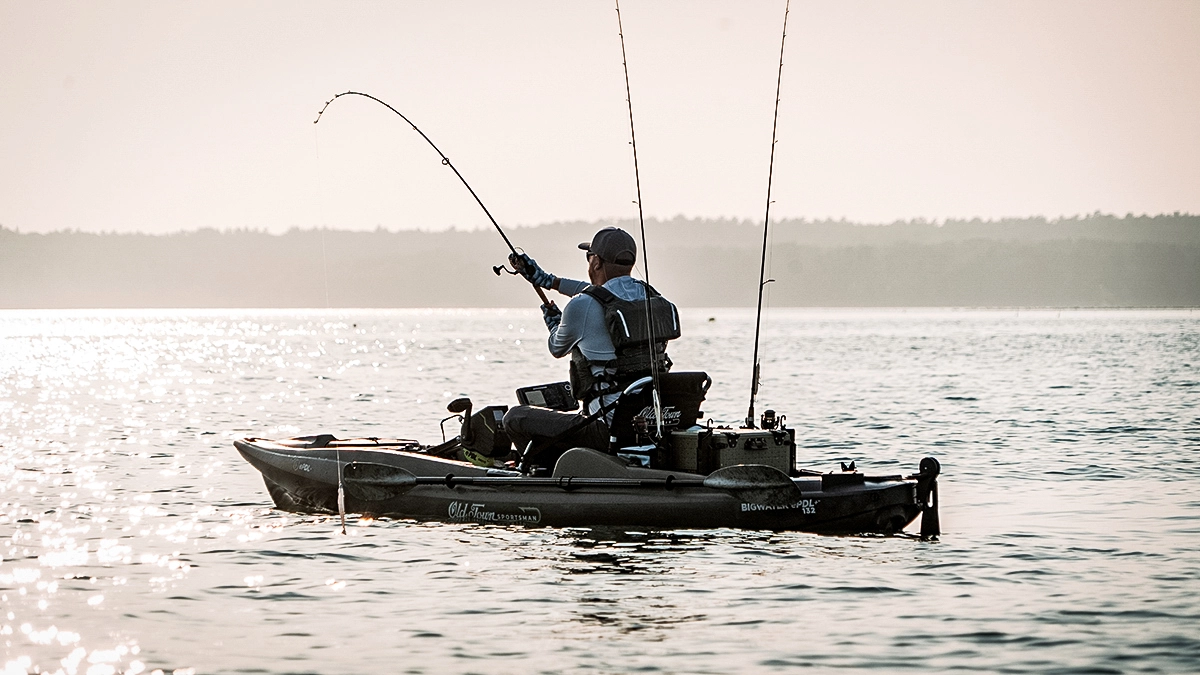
pixel 762 269
pixel 642 224
pixel 445 161
pixel 337 451
pixel 321 214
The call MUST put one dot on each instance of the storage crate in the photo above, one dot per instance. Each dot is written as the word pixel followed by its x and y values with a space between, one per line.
pixel 705 449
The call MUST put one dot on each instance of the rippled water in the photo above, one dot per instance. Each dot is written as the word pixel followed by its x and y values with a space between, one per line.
pixel 133 537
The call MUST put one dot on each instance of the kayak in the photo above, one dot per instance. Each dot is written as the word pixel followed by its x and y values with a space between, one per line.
pixel 585 488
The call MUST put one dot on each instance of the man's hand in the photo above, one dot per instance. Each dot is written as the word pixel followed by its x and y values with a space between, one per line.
pixel 552 315
pixel 529 269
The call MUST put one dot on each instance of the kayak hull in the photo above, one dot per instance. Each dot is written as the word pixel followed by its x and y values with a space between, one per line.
pixel 305 480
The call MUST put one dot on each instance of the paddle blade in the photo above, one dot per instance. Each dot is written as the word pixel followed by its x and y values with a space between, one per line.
pixel 376 482
pixel 755 483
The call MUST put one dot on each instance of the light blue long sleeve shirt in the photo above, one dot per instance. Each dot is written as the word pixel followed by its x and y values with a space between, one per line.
pixel 582 324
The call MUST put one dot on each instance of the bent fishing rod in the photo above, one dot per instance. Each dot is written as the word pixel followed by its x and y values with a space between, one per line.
pixel 762 268
pixel 446 161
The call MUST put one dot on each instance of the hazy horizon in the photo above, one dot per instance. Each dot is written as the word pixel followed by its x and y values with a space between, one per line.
pixel 1098 260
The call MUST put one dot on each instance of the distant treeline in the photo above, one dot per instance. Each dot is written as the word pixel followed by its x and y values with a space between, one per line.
pixel 1093 261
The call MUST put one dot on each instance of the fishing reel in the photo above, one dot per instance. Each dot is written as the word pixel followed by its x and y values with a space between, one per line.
pixel 512 260
pixel 771 421
pixel 516 269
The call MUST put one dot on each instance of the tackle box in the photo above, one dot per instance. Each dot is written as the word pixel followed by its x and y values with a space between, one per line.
pixel 705 449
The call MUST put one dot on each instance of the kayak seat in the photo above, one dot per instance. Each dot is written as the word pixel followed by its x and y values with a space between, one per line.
pixel 680 395
pixel 588 463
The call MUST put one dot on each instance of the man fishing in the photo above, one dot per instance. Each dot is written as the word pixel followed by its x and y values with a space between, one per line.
pixel 611 332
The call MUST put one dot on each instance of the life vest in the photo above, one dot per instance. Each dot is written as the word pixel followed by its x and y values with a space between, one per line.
pixel 629 324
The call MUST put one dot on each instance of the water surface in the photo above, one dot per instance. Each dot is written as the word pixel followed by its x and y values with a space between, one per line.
pixel 133 537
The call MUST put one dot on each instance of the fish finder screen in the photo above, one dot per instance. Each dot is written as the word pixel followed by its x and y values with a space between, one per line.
pixel 556 396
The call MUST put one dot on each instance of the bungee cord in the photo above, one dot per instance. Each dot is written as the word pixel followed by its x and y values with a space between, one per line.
pixel 762 270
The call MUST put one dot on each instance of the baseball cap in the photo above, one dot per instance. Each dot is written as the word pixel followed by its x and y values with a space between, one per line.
pixel 613 245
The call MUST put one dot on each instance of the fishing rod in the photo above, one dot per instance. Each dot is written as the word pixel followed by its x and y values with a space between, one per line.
pixel 642 225
pixel 446 161
pixel 762 269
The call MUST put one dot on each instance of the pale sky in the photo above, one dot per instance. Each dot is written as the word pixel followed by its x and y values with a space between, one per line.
pixel 167 116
